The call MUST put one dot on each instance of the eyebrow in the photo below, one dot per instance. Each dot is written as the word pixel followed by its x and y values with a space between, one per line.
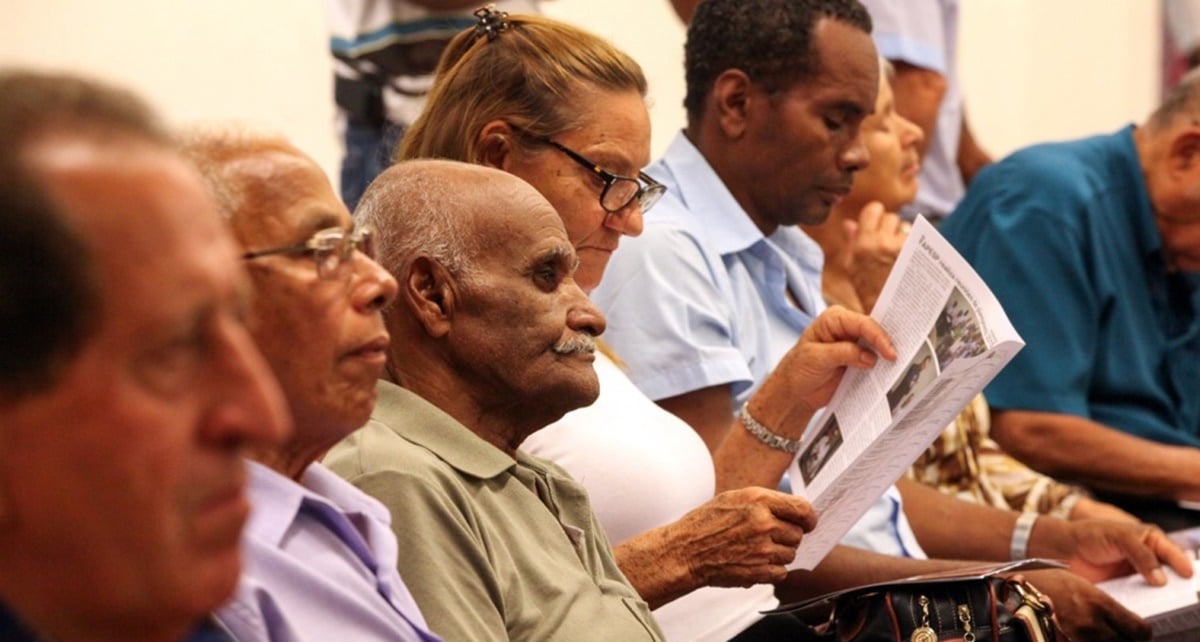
pixel 560 254
pixel 610 157
pixel 851 110
pixel 318 219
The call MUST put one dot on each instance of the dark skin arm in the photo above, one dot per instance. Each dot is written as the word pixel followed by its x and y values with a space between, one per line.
pixel 803 381
pixel 706 410
pixel 1076 448
pixel 747 534
pixel 739 458
pixel 1095 549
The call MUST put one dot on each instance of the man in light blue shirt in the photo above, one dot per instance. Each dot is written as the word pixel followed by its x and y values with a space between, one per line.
pixel 321 558
pixel 708 300
pixel 727 329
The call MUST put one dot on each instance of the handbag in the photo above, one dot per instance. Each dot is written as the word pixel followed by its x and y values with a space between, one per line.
pixel 974 605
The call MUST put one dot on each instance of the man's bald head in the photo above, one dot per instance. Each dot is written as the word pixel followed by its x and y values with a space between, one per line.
pixel 432 207
pixel 231 160
pixel 490 322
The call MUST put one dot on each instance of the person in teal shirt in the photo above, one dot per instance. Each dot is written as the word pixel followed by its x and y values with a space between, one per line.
pixel 1093 248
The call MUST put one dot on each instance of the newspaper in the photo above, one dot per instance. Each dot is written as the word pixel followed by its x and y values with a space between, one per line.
pixel 1136 595
pixel 951 339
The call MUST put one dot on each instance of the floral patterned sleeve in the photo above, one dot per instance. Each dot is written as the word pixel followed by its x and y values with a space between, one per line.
pixel 966 462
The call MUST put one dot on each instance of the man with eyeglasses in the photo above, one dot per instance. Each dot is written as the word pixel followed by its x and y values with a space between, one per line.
pixel 321 558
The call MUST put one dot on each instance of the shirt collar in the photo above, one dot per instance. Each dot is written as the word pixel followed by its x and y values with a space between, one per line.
pixel 707 201
pixel 276 499
pixel 429 427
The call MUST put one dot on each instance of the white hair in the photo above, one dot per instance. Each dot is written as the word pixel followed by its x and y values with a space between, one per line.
pixel 419 208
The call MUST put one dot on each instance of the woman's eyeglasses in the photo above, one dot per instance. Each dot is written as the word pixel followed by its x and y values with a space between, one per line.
pixel 619 191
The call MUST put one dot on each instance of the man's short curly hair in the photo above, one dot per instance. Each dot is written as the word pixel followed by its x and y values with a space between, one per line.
pixel 770 40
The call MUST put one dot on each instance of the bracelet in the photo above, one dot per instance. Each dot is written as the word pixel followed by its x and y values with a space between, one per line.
pixel 1019 548
pixel 770 439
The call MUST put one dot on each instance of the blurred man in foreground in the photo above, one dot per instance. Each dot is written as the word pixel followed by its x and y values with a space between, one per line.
pixel 129 386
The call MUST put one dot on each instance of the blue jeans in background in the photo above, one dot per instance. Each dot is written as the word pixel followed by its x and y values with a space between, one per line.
pixel 369 151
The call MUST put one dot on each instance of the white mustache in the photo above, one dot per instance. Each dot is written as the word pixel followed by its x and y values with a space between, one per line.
pixel 576 344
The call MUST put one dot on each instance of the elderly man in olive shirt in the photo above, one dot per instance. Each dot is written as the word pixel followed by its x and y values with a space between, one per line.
pixel 491 340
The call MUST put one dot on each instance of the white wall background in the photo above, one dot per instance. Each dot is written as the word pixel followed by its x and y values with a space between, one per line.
pixel 1032 69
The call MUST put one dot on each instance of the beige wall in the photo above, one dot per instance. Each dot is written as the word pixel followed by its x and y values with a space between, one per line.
pixel 1033 69
pixel 1036 70
pixel 261 61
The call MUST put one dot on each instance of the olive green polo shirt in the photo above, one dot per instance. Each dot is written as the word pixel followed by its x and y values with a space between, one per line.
pixel 492 548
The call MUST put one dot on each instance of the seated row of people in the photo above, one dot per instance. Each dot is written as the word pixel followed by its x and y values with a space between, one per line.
pixel 480 325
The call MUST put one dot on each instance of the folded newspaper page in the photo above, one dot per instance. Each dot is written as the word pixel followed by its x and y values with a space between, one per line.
pixel 1135 594
pixel 951 339
pixel 1180 593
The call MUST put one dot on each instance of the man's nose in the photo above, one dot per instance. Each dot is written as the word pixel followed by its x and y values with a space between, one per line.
pixel 374 287
pixel 583 315
pixel 854 157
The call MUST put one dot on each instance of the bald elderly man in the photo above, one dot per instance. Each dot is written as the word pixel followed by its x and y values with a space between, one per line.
pixel 492 340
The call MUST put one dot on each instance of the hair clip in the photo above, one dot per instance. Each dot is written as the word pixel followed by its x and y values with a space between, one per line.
pixel 491 22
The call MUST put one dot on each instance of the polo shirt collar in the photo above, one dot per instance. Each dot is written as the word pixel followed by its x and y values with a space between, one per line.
pixel 427 426
pixel 707 200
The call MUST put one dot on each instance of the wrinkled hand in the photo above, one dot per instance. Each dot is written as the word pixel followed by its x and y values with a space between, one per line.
pixel 1100 549
pixel 808 374
pixel 872 245
pixel 1085 612
pixel 743 537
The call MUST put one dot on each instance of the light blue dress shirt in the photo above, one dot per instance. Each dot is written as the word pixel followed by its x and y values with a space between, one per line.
pixel 701 299
pixel 320 565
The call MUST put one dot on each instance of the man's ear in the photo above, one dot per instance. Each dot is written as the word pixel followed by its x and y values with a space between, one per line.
pixel 731 100
pixel 496 144
pixel 429 294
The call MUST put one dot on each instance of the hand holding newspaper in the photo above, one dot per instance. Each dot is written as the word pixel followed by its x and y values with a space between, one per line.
pixel 951 336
